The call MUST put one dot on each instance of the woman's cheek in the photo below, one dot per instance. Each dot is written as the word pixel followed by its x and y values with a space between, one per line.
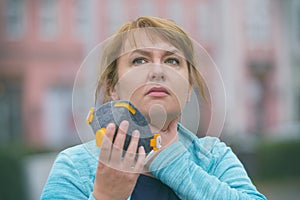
pixel 129 85
pixel 180 85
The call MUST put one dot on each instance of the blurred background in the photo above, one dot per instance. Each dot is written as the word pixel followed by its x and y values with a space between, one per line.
pixel 255 44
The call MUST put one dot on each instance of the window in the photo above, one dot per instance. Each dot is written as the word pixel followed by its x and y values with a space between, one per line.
pixel 257 22
pixel 298 106
pixel 58 118
pixel 48 18
pixel 204 21
pixel 82 18
pixel 146 8
pixel 10 111
pixel 298 27
pixel 116 10
pixel 259 92
pixel 175 10
pixel 15 18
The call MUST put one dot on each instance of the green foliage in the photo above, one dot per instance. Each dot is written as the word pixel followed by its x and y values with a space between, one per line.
pixel 11 186
pixel 278 160
pixel 12 177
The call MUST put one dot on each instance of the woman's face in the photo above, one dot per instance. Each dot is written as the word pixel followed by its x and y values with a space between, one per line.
pixel 154 77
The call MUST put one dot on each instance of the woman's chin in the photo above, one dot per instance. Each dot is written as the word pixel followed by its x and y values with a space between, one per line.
pixel 160 121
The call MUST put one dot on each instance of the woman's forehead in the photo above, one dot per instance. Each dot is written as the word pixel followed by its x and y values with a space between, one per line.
pixel 140 40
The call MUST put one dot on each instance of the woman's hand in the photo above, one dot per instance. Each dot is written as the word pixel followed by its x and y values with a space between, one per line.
pixel 116 176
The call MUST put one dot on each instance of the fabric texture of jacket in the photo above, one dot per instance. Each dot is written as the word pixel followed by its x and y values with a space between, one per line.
pixel 195 168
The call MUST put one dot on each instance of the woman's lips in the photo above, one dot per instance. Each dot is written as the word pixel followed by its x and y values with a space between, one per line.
pixel 157 92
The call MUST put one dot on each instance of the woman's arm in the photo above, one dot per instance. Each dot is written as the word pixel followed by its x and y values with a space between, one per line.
pixel 65 181
pixel 218 174
pixel 78 175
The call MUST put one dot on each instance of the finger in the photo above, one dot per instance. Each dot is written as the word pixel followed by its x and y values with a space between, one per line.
pixel 129 159
pixel 116 154
pixel 139 166
pixel 107 143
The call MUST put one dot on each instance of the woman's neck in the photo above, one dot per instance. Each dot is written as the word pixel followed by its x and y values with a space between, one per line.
pixel 160 126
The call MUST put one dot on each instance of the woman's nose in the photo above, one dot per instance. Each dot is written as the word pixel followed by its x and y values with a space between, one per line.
pixel 157 73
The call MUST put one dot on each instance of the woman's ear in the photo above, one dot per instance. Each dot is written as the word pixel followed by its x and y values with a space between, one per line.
pixel 113 93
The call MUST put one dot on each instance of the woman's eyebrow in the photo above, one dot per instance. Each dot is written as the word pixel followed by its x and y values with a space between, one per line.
pixel 147 52
pixel 140 51
pixel 172 52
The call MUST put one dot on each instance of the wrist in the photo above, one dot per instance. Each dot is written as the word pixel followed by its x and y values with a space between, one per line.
pixel 99 195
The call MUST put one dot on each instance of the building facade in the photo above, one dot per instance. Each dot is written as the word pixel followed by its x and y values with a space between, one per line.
pixel 44 42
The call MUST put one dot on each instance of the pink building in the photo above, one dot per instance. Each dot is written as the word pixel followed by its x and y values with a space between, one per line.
pixel 40 53
pixel 44 42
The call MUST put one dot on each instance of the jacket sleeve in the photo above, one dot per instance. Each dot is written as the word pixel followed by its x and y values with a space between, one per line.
pixel 204 173
pixel 65 181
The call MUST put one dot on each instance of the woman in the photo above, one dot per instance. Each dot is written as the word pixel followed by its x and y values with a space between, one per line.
pixel 151 63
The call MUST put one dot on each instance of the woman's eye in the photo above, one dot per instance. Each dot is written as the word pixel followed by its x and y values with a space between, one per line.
pixel 139 61
pixel 172 61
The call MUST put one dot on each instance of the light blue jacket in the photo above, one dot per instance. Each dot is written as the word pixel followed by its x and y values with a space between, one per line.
pixel 195 168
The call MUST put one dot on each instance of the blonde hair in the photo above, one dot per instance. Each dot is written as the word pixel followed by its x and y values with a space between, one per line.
pixel 165 29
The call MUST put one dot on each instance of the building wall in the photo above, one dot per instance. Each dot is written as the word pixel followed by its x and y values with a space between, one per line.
pixel 44 42
pixel 38 57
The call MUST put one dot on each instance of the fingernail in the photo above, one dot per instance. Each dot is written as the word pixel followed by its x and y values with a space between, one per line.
pixel 136 133
pixel 124 125
pixel 141 148
pixel 110 126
